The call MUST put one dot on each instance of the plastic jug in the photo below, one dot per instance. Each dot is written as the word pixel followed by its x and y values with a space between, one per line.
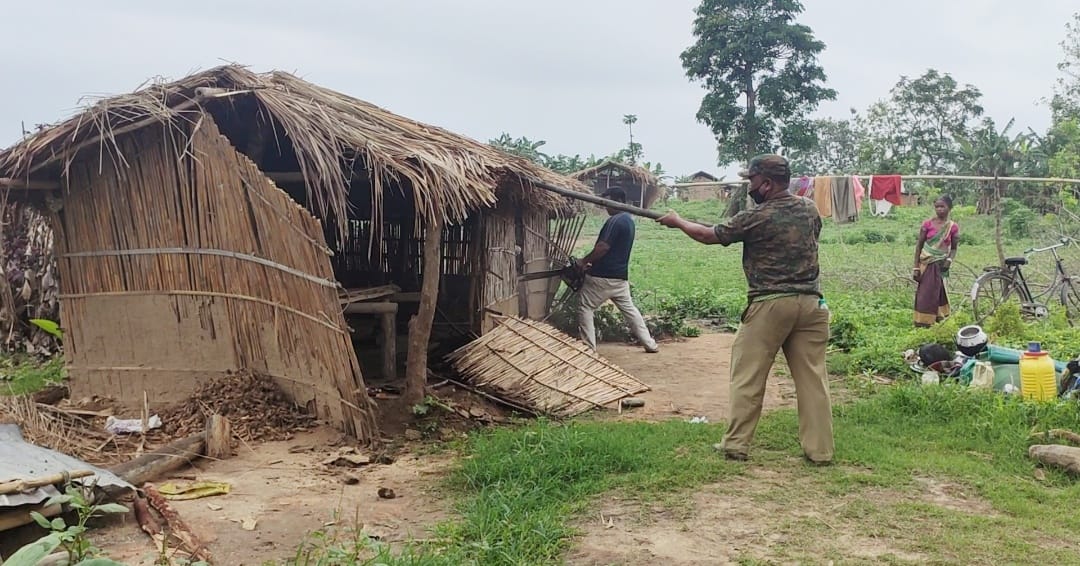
pixel 982 375
pixel 1038 380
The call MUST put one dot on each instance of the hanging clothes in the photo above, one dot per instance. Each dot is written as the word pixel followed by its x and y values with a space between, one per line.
pixel 886 187
pixel 843 200
pixel 860 192
pixel 823 196
pixel 803 185
pixel 885 192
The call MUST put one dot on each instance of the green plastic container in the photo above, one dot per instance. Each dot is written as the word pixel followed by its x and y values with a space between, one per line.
pixel 999 355
pixel 1005 374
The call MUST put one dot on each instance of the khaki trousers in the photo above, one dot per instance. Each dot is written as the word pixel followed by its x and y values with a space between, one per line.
pixel 596 290
pixel 800 327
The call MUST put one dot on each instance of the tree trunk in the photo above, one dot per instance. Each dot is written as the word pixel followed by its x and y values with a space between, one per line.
pixel 738 196
pixel 416 365
pixel 997 222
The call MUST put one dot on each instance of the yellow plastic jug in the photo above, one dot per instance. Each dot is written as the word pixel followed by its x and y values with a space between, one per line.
pixel 1038 380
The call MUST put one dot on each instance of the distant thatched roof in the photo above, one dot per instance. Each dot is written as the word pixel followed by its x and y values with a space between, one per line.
pixel 450 174
pixel 649 183
pixel 704 175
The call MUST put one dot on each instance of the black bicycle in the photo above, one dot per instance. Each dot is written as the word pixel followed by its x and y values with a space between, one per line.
pixel 999 285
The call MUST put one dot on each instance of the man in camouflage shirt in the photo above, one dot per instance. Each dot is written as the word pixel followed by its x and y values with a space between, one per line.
pixel 785 308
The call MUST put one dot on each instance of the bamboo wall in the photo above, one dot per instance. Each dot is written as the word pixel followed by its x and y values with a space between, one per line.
pixel 543 244
pixel 185 263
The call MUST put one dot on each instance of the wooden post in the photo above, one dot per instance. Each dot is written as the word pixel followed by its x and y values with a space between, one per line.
pixel 218 437
pixel 420 325
pixel 523 286
pixel 175 455
pixel 388 322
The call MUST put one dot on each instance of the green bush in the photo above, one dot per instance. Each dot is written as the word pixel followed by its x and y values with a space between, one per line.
pixel 875 237
pixel 1020 221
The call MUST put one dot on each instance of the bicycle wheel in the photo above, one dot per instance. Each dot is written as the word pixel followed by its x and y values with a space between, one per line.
pixel 1070 299
pixel 991 290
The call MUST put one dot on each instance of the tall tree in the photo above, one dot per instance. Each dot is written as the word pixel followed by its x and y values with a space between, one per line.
pixel 998 154
pixel 917 128
pixel 1066 99
pixel 633 149
pixel 835 149
pixel 760 70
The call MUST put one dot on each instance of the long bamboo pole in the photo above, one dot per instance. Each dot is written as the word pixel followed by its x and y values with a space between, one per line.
pixel 591 198
pixel 1048 180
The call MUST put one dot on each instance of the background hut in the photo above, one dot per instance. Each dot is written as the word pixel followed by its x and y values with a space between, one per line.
pixel 705 186
pixel 642 187
pixel 214 224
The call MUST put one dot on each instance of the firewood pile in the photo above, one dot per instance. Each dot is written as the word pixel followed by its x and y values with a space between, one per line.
pixel 255 406
pixel 30 287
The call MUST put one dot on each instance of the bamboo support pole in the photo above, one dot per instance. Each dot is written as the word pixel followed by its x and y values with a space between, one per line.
pixel 20 486
pixel 420 325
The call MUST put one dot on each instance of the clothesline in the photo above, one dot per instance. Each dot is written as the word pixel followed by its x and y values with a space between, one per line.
pixel 1047 180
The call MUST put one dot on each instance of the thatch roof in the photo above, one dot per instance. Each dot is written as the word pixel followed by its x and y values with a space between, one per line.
pixel 450 174
pixel 649 183
pixel 704 175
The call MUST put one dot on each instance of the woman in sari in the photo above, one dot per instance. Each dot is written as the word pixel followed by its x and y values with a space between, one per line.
pixel 934 255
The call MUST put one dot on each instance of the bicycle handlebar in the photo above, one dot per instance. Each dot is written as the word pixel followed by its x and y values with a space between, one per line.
pixel 1063 242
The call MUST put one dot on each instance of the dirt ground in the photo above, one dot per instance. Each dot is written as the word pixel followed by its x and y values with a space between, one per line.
pixel 689 378
pixel 286 490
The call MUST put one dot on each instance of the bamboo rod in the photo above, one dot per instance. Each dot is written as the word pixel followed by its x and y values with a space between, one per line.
pixel 20 486
pixel 259 300
pixel 204 251
pixel 1047 180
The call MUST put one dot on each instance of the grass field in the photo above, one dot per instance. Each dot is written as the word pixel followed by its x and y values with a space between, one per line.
pixel 866 269
pixel 521 488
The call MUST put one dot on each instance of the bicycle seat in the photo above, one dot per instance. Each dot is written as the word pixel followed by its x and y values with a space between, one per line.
pixel 1014 261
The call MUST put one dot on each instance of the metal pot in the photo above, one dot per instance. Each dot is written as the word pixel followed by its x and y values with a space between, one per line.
pixel 971 340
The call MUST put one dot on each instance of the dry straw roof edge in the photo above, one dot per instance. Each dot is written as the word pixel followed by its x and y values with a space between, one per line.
pixel 451 174
pixel 641 175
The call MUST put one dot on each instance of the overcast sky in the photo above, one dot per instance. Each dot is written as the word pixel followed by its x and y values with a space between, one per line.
pixel 564 71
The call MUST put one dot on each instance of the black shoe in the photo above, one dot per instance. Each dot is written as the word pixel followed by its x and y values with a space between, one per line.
pixel 729 455
pixel 819 463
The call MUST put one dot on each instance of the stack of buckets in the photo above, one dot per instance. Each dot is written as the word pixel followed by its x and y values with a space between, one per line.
pixel 1038 377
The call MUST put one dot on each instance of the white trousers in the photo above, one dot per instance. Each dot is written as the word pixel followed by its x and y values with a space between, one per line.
pixel 593 293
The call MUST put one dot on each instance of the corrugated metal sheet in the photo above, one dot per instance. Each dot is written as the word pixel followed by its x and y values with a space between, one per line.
pixel 22 460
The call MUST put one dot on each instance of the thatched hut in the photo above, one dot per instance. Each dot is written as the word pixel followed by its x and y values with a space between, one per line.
pixel 642 187
pixel 214 224
pixel 703 185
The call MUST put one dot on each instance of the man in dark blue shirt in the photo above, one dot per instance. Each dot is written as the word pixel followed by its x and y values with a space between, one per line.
pixel 606 268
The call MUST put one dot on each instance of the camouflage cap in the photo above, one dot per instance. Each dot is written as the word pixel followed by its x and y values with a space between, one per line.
pixel 768 164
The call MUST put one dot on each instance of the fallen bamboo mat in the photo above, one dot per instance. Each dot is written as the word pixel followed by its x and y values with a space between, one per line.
pixel 536 365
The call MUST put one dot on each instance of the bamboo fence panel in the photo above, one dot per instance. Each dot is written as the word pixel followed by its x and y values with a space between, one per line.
pixel 534 364
pixel 191 238
pixel 500 271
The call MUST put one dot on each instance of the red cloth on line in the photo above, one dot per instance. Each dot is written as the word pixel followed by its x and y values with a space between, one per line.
pixel 885 187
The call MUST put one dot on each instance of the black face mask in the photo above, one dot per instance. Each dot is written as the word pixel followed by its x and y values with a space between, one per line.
pixel 757 196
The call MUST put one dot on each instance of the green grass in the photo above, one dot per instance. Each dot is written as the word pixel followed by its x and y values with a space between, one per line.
pixel 19 375
pixel 865 269
pixel 520 489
